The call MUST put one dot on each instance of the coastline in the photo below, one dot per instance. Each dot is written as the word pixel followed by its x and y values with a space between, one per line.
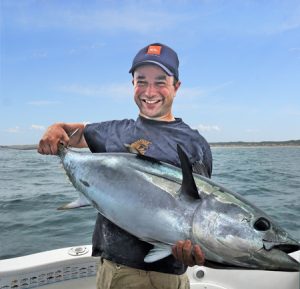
pixel 20 147
pixel 242 144
pixel 291 143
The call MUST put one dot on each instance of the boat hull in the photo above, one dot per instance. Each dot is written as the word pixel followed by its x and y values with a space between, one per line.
pixel 74 268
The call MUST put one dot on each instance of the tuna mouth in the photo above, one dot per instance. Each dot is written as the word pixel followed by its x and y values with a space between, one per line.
pixel 284 247
pixel 287 248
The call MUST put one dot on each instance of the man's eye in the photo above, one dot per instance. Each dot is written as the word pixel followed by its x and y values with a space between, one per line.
pixel 141 83
pixel 161 83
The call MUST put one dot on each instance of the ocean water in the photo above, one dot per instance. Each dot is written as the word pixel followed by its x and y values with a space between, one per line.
pixel 33 186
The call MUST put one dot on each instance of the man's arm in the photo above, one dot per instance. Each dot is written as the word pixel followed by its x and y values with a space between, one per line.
pixel 70 134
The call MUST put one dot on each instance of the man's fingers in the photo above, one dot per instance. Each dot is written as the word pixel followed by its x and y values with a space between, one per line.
pixel 54 148
pixel 64 140
pixel 179 246
pixel 182 251
pixel 174 251
pixel 178 250
pixel 44 148
pixel 49 143
pixel 187 253
pixel 198 255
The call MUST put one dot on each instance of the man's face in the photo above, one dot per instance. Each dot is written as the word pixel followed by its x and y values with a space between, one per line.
pixel 154 92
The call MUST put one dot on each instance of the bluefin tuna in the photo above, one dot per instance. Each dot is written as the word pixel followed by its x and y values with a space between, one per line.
pixel 161 204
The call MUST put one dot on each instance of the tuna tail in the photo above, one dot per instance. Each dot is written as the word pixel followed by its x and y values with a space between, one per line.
pixel 62 150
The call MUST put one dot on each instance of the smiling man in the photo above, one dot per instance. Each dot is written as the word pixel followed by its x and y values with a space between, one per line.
pixel 155 133
pixel 154 92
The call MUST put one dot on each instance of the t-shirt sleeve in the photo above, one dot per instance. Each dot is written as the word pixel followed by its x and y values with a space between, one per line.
pixel 100 136
pixel 95 135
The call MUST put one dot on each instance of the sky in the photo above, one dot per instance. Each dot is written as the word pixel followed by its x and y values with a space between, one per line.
pixel 68 61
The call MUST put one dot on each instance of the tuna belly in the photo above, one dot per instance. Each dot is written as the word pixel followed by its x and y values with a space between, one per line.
pixel 154 215
pixel 145 205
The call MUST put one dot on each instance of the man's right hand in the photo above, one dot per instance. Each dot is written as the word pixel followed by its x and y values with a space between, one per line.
pixel 54 135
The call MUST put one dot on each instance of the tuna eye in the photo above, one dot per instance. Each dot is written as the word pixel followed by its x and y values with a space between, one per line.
pixel 262 224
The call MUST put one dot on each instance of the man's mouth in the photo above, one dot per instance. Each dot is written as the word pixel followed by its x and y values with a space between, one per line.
pixel 153 101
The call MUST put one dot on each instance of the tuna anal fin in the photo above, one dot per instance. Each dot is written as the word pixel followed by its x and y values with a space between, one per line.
pixel 159 251
pixel 82 201
pixel 188 186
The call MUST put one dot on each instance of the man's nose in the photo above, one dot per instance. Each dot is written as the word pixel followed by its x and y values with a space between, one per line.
pixel 150 90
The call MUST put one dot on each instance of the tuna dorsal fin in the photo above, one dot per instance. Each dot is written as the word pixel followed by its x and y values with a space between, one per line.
pixel 188 186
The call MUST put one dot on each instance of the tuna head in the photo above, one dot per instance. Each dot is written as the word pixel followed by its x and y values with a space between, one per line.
pixel 233 232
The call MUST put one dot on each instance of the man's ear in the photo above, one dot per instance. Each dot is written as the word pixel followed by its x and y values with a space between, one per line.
pixel 177 85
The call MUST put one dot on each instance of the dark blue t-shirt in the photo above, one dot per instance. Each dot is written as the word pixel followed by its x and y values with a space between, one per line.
pixel 157 139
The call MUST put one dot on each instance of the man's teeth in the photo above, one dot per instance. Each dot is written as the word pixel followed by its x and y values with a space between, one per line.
pixel 151 101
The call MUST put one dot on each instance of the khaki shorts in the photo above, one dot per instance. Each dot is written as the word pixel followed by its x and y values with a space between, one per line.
pixel 113 276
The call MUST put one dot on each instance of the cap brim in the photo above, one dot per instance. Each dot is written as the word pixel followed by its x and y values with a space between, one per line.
pixel 167 70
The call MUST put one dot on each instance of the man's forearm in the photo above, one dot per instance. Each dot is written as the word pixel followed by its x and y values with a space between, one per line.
pixel 75 133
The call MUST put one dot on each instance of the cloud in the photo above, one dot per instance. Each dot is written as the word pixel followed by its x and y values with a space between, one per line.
pixel 207 128
pixel 290 111
pixel 128 17
pixel 252 130
pixel 292 24
pixel 18 129
pixel 15 129
pixel 37 127
pixel 38 54
pixel 192 92
pixel 159 16
pixel 110 90
pixel 43 102
pixel 294 49
pixel 86 48
pixel 285 21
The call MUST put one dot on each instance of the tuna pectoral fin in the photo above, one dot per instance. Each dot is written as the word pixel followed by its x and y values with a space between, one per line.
pixel 82 201
pixel 159 251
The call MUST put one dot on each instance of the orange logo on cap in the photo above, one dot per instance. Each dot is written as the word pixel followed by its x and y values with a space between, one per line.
pixel 154 50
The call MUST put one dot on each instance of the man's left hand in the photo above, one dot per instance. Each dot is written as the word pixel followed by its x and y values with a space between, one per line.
pixel 188 254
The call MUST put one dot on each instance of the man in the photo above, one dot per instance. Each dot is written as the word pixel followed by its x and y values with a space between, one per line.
pixel 155 133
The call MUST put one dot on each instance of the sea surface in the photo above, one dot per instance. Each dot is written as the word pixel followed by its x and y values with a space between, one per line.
pixel 33 186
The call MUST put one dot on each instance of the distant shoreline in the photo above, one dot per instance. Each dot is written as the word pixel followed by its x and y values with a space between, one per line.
pixel 19 147
pixel 290 143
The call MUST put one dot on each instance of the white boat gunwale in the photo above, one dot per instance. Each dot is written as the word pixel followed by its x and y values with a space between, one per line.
pixel 73 267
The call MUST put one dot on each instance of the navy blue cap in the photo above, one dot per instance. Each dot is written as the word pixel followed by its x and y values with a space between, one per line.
pixel 158 54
